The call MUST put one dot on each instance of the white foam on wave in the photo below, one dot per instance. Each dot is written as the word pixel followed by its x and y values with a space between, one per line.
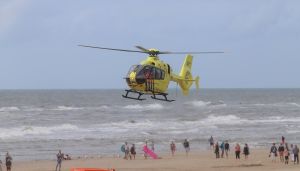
pixel 9 109
pixel 199 103
pixel 294 104
pixel 154 106
pixel 223 120
pixel 66 108
pixel 34 130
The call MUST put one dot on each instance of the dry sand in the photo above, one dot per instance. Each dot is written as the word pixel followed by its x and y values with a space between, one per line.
pixel 196 161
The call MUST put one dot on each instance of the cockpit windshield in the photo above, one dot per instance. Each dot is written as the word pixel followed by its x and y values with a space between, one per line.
pixel 134 68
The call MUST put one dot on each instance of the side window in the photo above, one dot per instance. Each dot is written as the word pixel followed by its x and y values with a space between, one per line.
pixel 157 74
pixel 162 75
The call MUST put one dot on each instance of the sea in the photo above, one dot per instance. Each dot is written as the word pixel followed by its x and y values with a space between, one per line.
pixel 35 124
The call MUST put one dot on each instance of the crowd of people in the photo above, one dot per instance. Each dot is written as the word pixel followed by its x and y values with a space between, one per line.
pixel 224 148
pixel 286 153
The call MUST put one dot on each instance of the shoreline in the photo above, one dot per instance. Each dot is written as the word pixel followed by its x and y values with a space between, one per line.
pixel 204 160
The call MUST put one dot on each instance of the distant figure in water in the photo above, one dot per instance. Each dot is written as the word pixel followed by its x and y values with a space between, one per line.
pixel 173 148
pixel 186 146
pixel 59 157
pixel 282 139
pixel 217 150
pixel 237 151
pixel 8 162
pixel 211 142
pixel 246 151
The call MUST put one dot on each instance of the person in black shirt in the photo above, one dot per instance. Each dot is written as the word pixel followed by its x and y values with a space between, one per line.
pixel 227 149
pixel 246 151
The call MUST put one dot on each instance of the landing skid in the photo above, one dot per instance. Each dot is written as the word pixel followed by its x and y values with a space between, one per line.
pixel 153 96
pixel 134 98
pixel 161 94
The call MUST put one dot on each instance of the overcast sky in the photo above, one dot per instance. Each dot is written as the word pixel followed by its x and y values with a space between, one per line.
pixel 38 41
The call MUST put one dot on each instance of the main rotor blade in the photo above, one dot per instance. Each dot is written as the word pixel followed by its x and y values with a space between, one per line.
pixel 142 48
pixel 123 50
pixel 188 52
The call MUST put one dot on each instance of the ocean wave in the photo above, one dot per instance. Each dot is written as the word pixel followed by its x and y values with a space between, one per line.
pixel 294 104
pixel 154 106
pixel 9 109
pixel 199 103
pixel 66 108
pixel 34 130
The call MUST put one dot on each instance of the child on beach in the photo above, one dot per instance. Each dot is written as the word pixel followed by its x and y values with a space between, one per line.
pixel 237 151
pixel 286 156
pixel 173 148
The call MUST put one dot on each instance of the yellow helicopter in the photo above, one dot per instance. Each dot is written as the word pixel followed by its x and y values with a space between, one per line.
pixel 152 76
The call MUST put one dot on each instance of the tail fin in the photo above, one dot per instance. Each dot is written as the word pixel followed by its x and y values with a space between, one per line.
pixel 186 78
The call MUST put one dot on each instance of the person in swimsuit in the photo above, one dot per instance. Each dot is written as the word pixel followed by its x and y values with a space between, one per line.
pixel 173 148
pixel 8 161
pixel 132 152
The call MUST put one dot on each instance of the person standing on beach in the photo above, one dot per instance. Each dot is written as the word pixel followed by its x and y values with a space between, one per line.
pixel 227 149
pixel 246 151
pixel 186 145
pixel 59 157
pixel 0 165
pixel 173 148
pixel 217 150
pixel 281 151
pixel 222 147
pixel 211 142
pixel 145 146
pixel 291 153
pixel 8 162
pixel 273 153
pixel 152 145
pixel 296 154
pixel 132 152
pixel 126 151
pixel 237 151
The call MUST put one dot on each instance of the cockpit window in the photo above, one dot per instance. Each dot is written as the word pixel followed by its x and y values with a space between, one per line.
pixel 134 68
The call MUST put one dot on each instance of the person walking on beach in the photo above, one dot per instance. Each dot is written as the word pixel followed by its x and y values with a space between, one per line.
pixel 145 146
pixel 237 151
pixel 227 149
pixel 246 151
pixel 173 148
pixel 211 142
pixel 286 156
pixel 273 153
pixel 59 157
pixel 296 154
pixel 8 161
pixel 132 152
pixel 217 150
pixel 186 145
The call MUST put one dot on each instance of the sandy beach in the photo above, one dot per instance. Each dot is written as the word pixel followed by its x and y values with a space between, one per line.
pixel 201 160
